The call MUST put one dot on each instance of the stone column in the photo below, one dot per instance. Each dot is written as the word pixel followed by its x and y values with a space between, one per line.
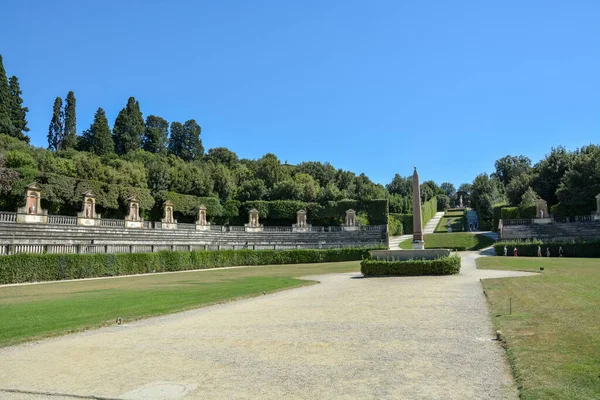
pixel 418 242
pixel 133 220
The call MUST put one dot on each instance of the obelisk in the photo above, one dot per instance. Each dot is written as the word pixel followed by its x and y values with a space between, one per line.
pixel 418 243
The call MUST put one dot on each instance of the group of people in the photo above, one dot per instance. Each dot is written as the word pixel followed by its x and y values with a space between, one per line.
pixel 539 251
pixel 473 227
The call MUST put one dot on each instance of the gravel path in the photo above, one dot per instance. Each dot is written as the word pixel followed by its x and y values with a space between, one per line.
pixel 346 338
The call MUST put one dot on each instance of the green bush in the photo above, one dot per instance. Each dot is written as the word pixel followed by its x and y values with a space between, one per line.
pixel 402 223
pixel 517 212
pixel 528 248
pixel 49 267
pixel 440 266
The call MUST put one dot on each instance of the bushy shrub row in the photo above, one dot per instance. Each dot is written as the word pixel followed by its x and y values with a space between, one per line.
pixel 49 267
pixel 529 248
pixel 440 266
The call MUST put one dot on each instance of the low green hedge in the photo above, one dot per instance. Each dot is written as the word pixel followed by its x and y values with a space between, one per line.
pixel 49 267
pixel 440 266
pixel 583 249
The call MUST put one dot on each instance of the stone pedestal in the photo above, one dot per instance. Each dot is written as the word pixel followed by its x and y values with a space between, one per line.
pixel 542 221
pixel 350 228
pixel 201 223
pixel 88 216
pixel 133 220
pixel 32 212
pixel 301 225
pixel 253 224
pixel 167 222
pixel 418 245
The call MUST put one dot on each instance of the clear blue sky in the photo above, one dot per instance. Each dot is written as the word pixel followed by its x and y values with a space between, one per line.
pixel 373 87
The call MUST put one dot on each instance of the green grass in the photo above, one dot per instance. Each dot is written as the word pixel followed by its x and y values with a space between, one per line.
pixel 30 312
pixel 553 333
pixel 458 224
pixel 459 241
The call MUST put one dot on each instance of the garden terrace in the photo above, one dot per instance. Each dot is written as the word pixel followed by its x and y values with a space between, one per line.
pixel 47 238
pixel 525 229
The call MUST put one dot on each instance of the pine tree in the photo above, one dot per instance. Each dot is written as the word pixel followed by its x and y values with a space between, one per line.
pixel 98 138
pixel 56 129
pixel 185 140
pixel 18 114
pixel 155 136
pixel 70 127
pixel 129 128
pixel 6 125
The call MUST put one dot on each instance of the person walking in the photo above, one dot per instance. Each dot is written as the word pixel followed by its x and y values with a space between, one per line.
pixel 539 251
pixel 560 251
pixel 547 251
pixel 515 252
pixel 505 251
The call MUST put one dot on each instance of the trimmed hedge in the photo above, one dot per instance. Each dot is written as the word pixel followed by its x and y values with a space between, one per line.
pixel 517 212
pixel 49 267
pixel 440 266
pixel 528 248
pixel 428 210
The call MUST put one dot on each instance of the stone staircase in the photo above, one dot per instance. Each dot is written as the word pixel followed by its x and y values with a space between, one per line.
pixel 39 238
pixel 472 218
pixel 567 230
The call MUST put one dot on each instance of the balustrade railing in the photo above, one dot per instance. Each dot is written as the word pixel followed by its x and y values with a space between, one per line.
pixel 277 229
pixel 9 217
pixel 233 228
pixel 62 220
pixel 219 228
pixel 516 222
pixel 112 223
pixel 577 218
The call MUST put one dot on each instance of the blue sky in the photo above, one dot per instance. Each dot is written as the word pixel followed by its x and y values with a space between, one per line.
pixel 373 87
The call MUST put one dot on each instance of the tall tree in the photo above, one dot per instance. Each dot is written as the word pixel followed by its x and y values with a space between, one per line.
pixel 185 140
pixel 156 135
pixel 448 188
pixel 18 113
pixel 98 138
pixel 6 125
pixel 129 128
pixel 70 124
pixel 509 167
pixel 56 129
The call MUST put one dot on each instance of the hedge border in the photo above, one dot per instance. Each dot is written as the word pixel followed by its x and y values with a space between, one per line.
pixel 528 248
pixel 20 268
pixel 440 266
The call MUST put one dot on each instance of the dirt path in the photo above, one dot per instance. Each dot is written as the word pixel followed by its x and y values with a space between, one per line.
pixel 347 338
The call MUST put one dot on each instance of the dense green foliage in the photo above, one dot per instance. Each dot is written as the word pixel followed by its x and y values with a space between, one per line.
pixel 56 129
pixel 440 266
pixel 461 241
pixel 517 212
pixel 49 267
pixel 529 248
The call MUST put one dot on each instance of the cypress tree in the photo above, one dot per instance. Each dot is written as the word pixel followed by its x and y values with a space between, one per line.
pixel 193 143
pixel 18 113
pixel 177 139
pixel 98 138
pixel 70 128
pixel 6 125
pixel 56 129
pixel 155 136
pixel 129 128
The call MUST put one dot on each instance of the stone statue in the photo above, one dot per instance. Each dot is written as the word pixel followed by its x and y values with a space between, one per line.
pixel 32 209
pixel 460 201
pixel 88 210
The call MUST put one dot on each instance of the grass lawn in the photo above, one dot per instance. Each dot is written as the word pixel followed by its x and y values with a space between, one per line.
pixel 35 311
pixel 459 241
pixel 553 334
pixel 458 224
